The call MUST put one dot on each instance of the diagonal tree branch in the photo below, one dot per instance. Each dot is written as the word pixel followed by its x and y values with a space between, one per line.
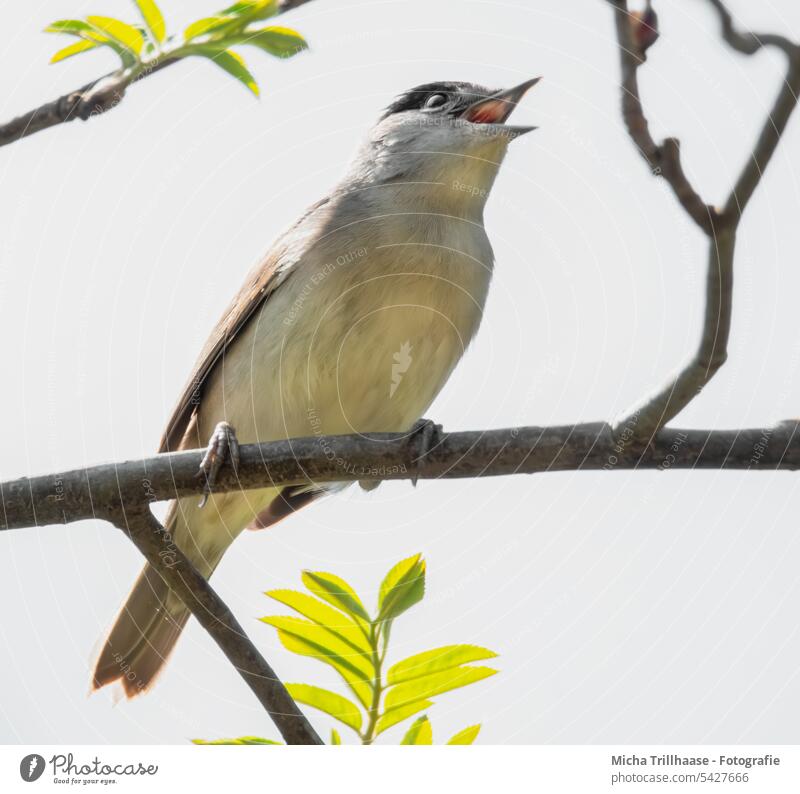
pixel 768 139
pixel 95 97
pixel 188 584
pixel 720 227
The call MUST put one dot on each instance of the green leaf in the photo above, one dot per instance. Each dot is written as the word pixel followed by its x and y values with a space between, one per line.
pixel 253 10
pixel 335 738
pixel 234 65
pixel 360 685
pixel 336 706
pixel 77 27
pixel 434 661
pixel 322 614
pixel 206 25
pixel 69 26
pixel 420 732
pixel 330 642
pixel 240 740
pixel 279 41
pixel 434 684
pixel 74 49
pixel 467 736
pixel 403 587
pixel 127 35
pixel 391 718
pixel 335 591
pixel 153 18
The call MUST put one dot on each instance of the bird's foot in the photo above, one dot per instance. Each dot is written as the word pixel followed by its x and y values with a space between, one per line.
pixel 425 435
pixel 223 446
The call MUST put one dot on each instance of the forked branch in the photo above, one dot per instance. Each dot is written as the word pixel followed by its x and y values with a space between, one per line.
pixel 719 225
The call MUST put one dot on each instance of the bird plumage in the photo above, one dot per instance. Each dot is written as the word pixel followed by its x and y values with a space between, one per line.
pixel 395 262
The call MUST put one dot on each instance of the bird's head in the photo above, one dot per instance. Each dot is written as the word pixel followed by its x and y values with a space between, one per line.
pixel 443 132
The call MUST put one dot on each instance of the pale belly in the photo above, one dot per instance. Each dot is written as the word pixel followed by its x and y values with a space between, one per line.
pixel 366 349
pixel 368 352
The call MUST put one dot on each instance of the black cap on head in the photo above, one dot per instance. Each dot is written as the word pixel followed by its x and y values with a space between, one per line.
pixel 459 96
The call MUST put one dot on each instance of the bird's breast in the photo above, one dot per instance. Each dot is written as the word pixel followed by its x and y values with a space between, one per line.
pixel 367 329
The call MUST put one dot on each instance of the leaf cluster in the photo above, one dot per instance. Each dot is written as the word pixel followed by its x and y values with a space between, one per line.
pixel 145 45
pixel 333 626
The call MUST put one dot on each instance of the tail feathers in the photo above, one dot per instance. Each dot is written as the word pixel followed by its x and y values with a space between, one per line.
pixel 143 636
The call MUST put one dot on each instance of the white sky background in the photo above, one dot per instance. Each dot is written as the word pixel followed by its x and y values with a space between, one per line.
pixel 626 607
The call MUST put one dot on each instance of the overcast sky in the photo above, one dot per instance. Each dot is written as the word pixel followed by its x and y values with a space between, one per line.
pixel 626 607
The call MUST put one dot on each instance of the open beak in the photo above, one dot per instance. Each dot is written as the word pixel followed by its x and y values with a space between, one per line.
pixel 498 107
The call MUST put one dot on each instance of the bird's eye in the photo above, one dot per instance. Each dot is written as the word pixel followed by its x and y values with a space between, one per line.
pixel 435 101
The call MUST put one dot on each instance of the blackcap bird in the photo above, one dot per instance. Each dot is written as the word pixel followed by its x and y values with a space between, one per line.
pixel 352 323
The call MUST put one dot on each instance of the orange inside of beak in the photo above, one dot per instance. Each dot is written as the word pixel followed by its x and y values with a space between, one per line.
pixel 488 112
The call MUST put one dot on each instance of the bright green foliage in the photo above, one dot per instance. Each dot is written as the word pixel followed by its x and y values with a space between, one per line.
pixel 391 718
pixel 435 661
pixel 142 49
pixel 402 587
pixel 467 736
pixel 338 707
pixel 420 732
pixel 73 49
pixel 151 14
pixel 235 66
pixel 337 592
pixel 336 628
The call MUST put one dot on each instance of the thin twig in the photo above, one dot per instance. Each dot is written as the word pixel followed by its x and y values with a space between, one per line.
pixel 663 159
pixel 94 98
pixel 749 43
pixel 215 617
pixel 720 227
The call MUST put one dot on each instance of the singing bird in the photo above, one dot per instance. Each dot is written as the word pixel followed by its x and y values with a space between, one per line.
pixel 352 322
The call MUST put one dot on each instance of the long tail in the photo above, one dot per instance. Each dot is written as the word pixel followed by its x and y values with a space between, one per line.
pixel 142 637
pixel 151 620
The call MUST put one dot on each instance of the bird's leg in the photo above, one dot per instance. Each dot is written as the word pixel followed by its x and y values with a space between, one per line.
pixel 425 434
pixel 222 446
